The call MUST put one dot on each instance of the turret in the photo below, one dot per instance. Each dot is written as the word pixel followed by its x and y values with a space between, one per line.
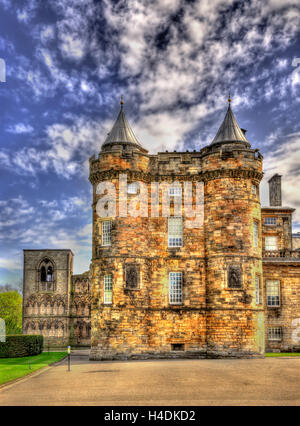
pixel 120 243
pixel 232 172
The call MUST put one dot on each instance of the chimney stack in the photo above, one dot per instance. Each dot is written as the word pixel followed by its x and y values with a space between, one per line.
pixel 275 190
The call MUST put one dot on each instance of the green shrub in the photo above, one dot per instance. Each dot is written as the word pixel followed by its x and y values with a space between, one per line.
pixel 21 345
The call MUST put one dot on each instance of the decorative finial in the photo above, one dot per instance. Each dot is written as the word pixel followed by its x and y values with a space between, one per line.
pixel 122 101
pixel 229 98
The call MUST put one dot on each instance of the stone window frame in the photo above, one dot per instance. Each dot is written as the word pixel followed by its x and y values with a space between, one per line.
pixel 267 248
pixel 106 234
pixel 182 288
pixel 175 191
pixel 237 267
pixel 39 282
pixel 133 188
pixel 255 233
pixel 266 218
pixel 275 334
pixel 258 290
pixel 138 269
pixel 254 189
pixel 108 282
pixel 175 236
pixel 277 305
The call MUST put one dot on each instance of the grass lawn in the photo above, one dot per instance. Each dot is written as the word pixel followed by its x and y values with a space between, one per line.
pixel 270 354
pixel 13 368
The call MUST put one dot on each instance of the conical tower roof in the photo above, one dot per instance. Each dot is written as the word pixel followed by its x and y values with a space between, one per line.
pixel 229 130
pixel 121 131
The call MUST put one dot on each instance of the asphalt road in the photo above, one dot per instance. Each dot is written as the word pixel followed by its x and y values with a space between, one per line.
pixel 270 381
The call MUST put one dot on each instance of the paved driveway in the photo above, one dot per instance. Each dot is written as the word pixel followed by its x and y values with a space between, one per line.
pixel 166 382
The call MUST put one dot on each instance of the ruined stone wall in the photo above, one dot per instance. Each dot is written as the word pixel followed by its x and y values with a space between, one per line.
pixel 80 310
pixel 46 303
pixel 287 315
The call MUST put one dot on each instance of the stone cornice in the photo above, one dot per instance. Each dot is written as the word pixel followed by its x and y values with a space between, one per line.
pixel 202 176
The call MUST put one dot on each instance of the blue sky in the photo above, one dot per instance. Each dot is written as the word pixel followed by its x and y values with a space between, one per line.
pixel 68 62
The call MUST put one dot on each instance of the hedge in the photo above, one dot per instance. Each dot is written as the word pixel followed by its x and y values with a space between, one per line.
pixel 20 345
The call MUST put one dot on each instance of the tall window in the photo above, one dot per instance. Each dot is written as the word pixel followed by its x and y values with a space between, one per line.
pixel 270 243
pixel 107 289
pixel 43 274
pixel 175 287
pixel 175 231
pixel 257 289
pixel 46 275
pixel 255 234
pixel 49 276
pixel 270 220
pixel 106 233
pixel 273 293
pixel 253 189
pixel 274 333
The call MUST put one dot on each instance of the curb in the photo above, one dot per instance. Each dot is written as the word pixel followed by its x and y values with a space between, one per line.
pixel 29 375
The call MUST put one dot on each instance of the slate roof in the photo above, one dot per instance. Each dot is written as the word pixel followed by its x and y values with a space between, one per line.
pixel 229 130
pixel 121 131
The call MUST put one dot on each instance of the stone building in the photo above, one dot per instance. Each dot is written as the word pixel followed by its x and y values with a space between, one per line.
pixel 160 284
pixel 56 303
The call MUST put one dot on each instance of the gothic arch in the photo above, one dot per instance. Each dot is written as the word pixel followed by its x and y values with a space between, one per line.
pixel 46 274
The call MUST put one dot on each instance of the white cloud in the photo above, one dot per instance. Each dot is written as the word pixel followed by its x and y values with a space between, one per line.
pixel 67 150
pixel 11 263
pixel 285 160
pixel 20 128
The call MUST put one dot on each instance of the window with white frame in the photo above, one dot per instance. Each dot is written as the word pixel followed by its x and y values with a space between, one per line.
pixel 132 188
pixel 175 191
pixel 270 243
pixel 106 233
pixel 270 220
pixel 107 299
pixel 257 289
pixel 273 292
pixel 255 234
pixel 253 189
pixel 175 287
pixel 175 231
pixel 274 333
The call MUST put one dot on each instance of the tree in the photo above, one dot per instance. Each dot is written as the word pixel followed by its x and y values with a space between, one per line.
pixel 11 311
pixel 9 287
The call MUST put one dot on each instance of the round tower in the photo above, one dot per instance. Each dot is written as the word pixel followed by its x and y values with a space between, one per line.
pixel 120 242
pixel 232 224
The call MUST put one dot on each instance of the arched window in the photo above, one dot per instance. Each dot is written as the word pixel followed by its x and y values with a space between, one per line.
pixel 46 275
pixel 49 277
pixel 43 274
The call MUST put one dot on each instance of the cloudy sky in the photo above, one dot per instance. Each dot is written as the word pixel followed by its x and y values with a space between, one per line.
pixel 68 62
